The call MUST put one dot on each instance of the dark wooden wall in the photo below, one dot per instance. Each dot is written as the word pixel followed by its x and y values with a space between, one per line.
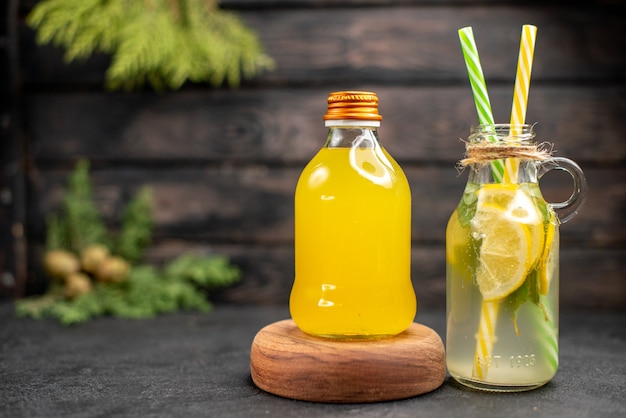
pixel 224 163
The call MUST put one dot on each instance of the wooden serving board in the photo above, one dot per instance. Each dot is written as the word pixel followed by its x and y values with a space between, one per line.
pixel 288 362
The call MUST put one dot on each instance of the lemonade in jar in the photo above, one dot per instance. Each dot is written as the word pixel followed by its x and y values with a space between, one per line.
pixel 502 263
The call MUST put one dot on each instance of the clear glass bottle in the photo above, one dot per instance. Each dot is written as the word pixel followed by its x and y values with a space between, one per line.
pixel 502 263
pixel 352 230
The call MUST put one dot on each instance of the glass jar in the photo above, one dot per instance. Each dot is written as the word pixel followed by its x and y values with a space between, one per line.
pixel 352 230
pixel 502 263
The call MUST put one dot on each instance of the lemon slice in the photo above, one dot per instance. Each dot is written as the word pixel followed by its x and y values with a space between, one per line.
pixel 547 258
pixel 456 239
pixel 510 228
pixel 504 252
pixel 500 194
pixel 519 207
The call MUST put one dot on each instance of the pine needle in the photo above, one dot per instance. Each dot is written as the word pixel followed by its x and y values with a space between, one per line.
pixel 81 218
pixel 163 43
pixel 137 224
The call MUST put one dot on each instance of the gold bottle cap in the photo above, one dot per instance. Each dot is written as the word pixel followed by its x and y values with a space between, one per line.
pixel 353 105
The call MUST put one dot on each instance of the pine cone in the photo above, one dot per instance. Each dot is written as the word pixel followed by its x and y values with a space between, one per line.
pixel 93 256
pixel 113 269
pixel 77 284
pixel 59 264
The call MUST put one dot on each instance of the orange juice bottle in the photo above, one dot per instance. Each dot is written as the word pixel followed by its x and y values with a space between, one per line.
pixel 352 231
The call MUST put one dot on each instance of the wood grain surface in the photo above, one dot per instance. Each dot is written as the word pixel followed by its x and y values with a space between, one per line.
pixel 287 362
pixel 223 163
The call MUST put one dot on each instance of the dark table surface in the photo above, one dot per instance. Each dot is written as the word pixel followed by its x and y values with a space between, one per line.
pixel 192 364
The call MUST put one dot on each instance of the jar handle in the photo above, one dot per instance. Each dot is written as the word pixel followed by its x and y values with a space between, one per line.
pixel 568 209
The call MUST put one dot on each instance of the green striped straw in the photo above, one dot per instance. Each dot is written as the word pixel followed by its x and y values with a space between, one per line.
pixel 479 88
pixel 546 332
pixel 489 312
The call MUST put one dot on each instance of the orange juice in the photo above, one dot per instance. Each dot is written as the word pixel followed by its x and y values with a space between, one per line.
pixel 353 245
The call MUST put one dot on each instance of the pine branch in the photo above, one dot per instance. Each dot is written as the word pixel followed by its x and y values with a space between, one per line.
pixel 37 307
pixel 56 237
pixel 164 43
pixel 207 272
pixel 80 216
pixel 137 224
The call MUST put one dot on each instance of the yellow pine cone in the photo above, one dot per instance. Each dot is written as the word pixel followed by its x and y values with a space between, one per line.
pixel 92 256
pixel 113 269
pixel 77 284
pixel 59 264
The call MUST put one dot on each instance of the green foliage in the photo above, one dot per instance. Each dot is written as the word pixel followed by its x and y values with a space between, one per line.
pixel 202 271
pixel 56 237
pixel 160 42
pixel 136 229
pixel 79 224
pixel 146 291
pixel 38 307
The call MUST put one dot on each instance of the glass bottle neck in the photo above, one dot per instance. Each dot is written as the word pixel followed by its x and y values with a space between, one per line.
pixel 352 137
pixel 491 149
pixel 483 173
